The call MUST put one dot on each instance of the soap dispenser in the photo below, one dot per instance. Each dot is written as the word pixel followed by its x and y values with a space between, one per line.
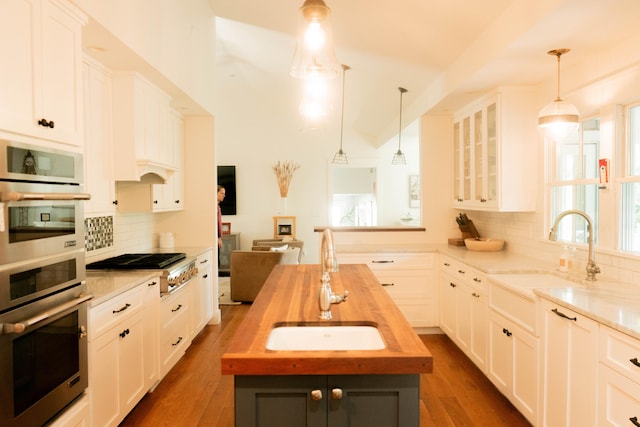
pixel 565 259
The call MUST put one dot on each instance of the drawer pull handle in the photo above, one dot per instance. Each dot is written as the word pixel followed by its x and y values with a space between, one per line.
pixel 124 333
pixel 127 305
pixel 635 361
pixel 152 283
pixel 475 294
pixel 461 271
pixel 204 261
pixel 561 314
pixel 177 308
pixel 177 342
pixel 204 276
pixel 507 332
pixel 453 285
pixel 388 284
pixel 634 420
pixel 475 279
pixel 381 262
pixel 447 264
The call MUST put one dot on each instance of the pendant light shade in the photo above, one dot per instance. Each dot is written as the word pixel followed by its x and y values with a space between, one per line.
pixel 399 158
pixel 314 56
pixel 559 118
pixel 340 158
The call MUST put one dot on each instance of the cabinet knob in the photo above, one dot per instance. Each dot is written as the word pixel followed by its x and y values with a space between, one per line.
pixel 336 393
pixel 155 202
pixel 316 394
pixel 453 285
pixel 177 202
pixel 475 294
pixel 46 123
pixel 115 202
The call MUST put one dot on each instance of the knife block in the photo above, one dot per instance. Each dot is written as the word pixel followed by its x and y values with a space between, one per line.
pixel 468 230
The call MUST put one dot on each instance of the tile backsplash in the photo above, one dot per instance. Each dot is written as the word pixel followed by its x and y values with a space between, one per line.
pixel 98 233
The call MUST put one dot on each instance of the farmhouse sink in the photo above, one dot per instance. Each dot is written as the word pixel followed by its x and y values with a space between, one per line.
pixel 313 337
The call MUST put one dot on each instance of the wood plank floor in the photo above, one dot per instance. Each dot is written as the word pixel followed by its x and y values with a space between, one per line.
pixel 194 393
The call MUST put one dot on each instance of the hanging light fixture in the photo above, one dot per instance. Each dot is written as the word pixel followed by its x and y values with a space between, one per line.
pixel 559 118
pixel 340 158
pixel 314 57
pixel 398 158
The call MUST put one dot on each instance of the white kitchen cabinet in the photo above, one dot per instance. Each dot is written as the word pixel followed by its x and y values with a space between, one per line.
pixel 175 326
pixel 570 367
pixel 98 153
pixel 409 279
pixel 116 357
pixel 495 151
pixel 202 293
pixel 140 129
pixel 513 360
pixel 170 196
pixel 464 308
pixel 41 89
pixel 619 379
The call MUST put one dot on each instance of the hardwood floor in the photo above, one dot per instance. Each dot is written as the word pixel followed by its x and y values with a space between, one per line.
pixel 194 393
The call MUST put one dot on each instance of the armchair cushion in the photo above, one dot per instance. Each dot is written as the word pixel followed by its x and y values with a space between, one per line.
pixel 279 243
pixel 250 269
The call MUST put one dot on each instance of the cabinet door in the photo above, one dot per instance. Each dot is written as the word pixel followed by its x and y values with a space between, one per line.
pixel 294 400
pixel 525 373
pixel 479 311
pixel 205 271
pixel 151 333
pixel 618 399
pixel 104 389
pixel 98 153
pixel 500 366
pixel 131 372
pixel 570 362
pixel 61 80
pixel 448 305
pixel 373 400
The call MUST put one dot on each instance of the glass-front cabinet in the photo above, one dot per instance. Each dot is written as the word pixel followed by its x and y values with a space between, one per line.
pixel 495 153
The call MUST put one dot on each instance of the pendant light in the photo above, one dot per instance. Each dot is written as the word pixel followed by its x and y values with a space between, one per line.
pixel 314 57
pixel 340 158
pixel 398 158
pixel 559 118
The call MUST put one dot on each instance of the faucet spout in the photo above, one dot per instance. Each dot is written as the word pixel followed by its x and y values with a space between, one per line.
pixel 328 264
pixel 592 267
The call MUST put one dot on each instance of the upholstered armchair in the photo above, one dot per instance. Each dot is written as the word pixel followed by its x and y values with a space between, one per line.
pixel 250 269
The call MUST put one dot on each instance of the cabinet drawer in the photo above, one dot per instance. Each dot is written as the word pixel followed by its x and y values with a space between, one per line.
pixel 172 306
pixel 384 261
pixel 117 309
pixel 174 339
pixel 405 283
pixel 618 399
pixel 464 272
pixel 620 352
pixel 513 306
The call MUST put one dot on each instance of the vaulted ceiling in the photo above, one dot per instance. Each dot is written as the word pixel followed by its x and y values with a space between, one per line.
pixel 444 52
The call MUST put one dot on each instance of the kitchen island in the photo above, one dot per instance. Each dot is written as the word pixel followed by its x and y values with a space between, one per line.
pixel 325 387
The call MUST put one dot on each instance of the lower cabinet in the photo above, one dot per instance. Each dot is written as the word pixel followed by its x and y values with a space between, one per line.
pixel 570 367
pixel 409 279
pixel 327 400
pixel 202 293
pixel 117 357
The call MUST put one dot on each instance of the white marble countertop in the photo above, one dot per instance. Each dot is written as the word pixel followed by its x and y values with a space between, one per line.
pixel 106 284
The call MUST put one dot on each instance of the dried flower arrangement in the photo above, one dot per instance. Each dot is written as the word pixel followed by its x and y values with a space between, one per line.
pixel 284 172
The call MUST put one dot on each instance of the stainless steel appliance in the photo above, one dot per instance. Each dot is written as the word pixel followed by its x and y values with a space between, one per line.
pixel 43 344
pixel 41 202
pixel 176 268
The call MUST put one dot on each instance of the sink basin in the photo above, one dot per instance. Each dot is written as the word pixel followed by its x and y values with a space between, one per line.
pixel 325 337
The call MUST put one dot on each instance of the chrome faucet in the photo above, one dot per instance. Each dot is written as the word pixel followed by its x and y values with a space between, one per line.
pixel 592 268
pixel 328 264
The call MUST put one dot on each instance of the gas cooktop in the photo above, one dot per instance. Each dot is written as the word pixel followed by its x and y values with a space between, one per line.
pixel 155 261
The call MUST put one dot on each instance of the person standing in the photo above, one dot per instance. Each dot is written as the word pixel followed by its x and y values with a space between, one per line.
pixel 221 194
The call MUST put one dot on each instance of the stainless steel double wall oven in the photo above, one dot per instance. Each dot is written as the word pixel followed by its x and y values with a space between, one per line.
pixel 43 300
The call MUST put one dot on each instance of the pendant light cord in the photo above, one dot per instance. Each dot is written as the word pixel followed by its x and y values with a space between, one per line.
pixel 344 71
pixel 402 91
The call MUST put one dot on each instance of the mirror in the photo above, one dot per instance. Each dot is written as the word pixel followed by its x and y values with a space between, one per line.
pixel 372 192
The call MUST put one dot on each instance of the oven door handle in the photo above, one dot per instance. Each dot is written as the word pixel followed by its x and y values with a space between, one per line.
pixel 20 327
pixel 14 196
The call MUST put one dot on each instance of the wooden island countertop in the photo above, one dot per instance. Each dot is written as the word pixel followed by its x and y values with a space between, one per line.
pixel 290 296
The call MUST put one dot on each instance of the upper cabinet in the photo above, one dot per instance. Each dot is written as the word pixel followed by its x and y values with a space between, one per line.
pixel 141 118
pixel 98 151
pixel 40 82
pixel 494 151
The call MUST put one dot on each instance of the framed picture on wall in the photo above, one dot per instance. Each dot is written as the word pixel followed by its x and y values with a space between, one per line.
pixel 414 191
pixel 226 228
pixel 284 227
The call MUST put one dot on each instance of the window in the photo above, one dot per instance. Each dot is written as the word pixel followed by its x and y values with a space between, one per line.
pixel 574 181
pixel 630 183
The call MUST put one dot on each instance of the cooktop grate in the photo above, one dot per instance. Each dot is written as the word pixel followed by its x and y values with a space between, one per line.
pixel 137 261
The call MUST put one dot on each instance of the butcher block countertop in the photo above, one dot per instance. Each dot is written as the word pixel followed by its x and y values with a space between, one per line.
pixel 290 296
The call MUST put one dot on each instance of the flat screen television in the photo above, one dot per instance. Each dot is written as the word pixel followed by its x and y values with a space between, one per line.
pixel 227 178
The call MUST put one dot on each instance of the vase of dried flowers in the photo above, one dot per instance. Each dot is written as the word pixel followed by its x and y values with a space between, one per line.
pixel 284 173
